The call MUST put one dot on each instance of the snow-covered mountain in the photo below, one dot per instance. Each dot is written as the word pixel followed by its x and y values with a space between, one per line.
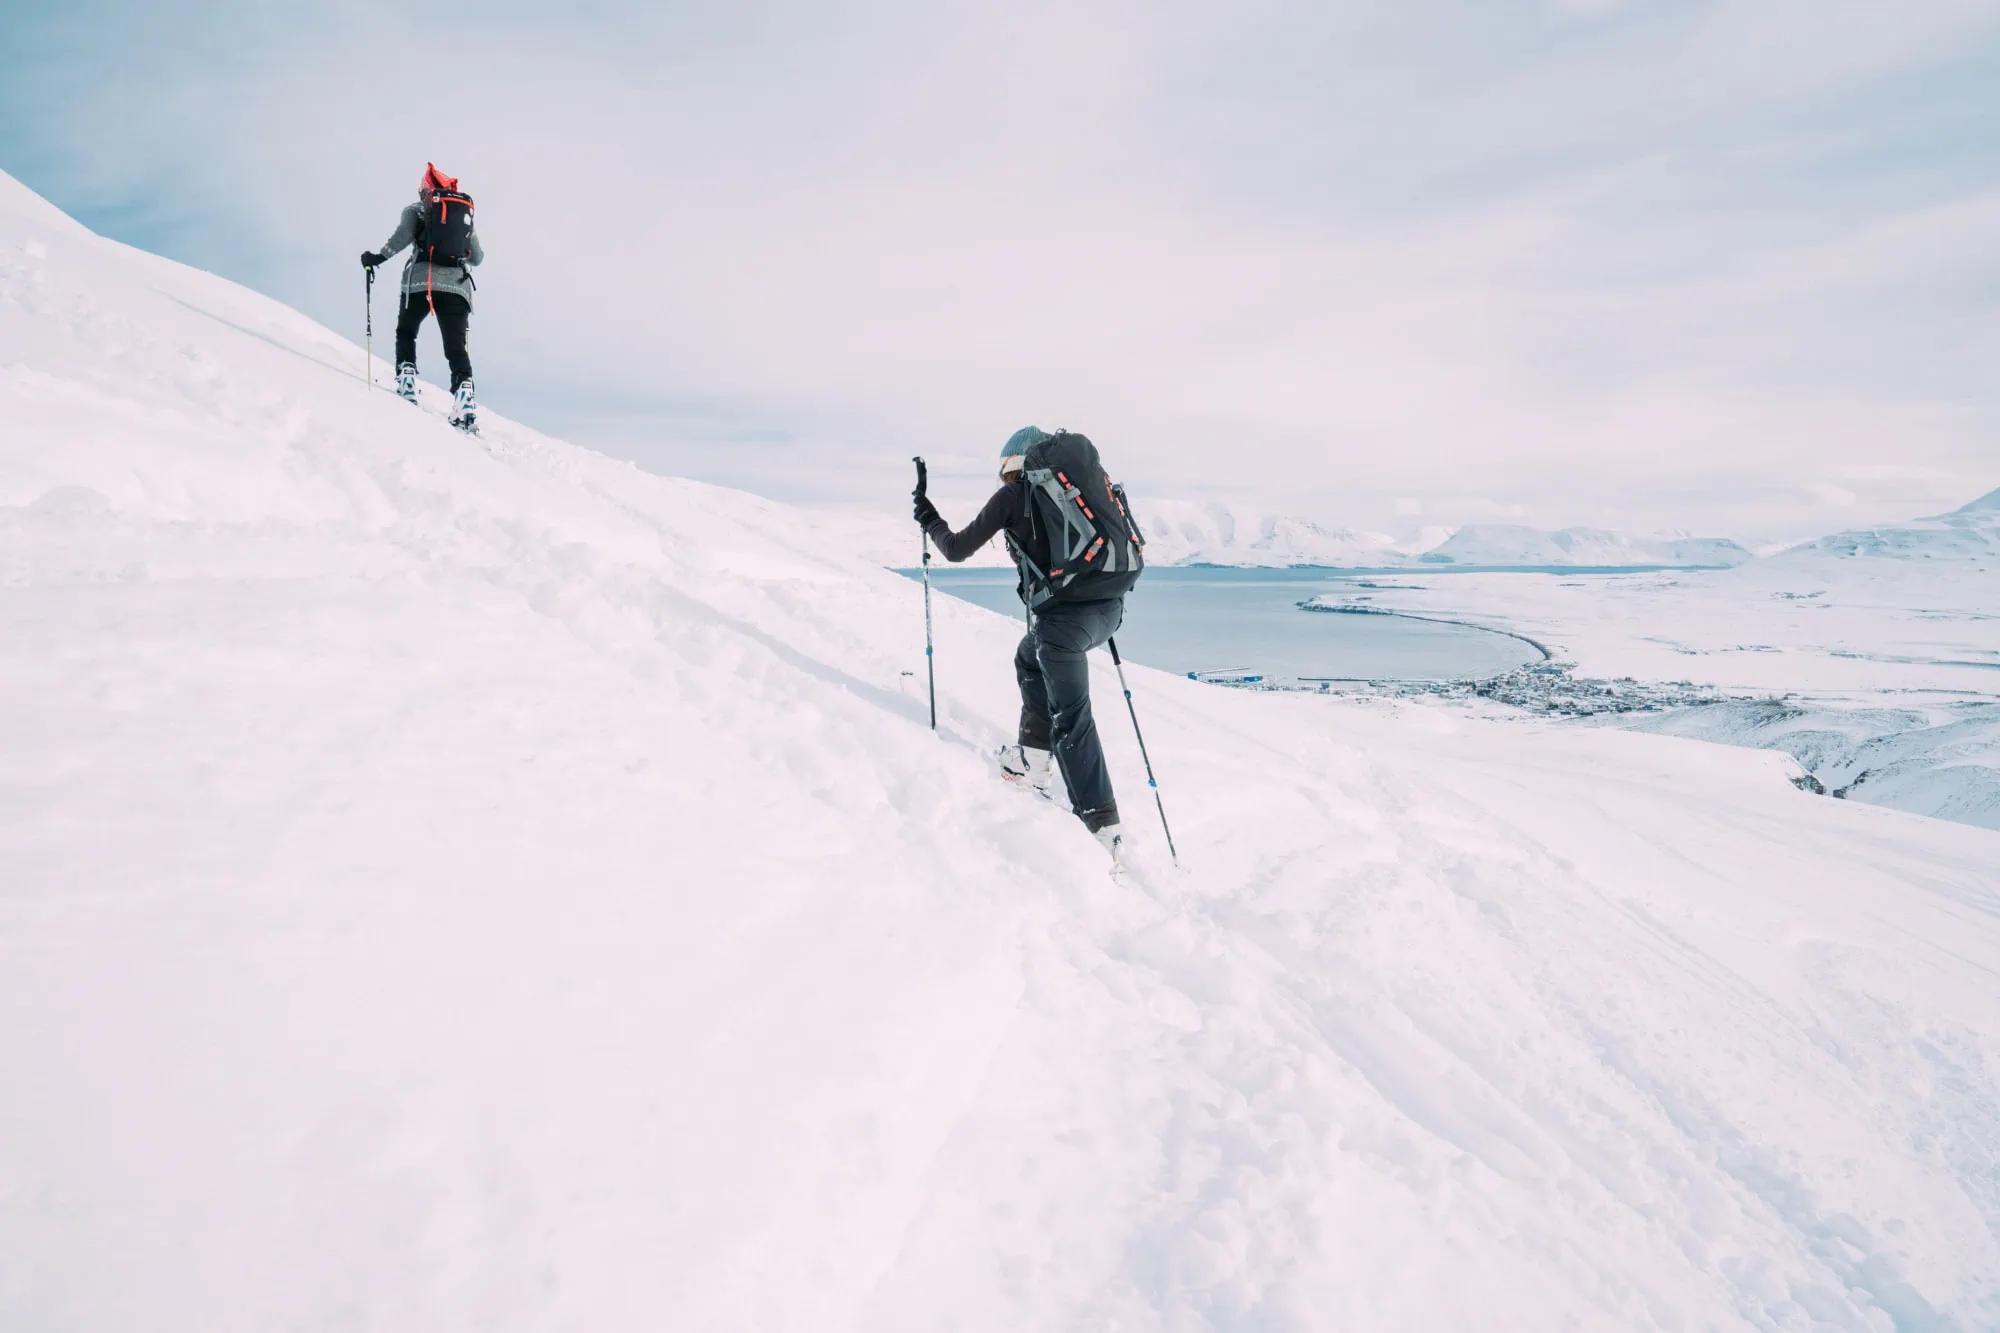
pixel 1503 544
pixel 1970 535
pixel 1183 532
pixel 1189 532
pixel 477 884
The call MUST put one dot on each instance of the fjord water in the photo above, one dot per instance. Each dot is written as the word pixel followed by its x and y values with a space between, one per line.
pixel 1206 618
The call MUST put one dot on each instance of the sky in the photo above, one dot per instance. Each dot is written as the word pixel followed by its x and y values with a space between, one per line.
pixel 1722 267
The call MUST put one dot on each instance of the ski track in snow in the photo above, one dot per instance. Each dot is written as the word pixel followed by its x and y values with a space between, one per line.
pixel 459 883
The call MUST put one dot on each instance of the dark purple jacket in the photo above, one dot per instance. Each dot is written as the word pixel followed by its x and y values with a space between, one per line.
pixel 1007 511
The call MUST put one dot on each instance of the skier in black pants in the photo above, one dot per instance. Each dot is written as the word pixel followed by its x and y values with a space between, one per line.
pixel 1050 664
pixel 435 284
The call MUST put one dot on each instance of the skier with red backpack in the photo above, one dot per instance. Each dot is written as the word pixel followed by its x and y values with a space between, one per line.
pixel 1072 536
pixel 436 280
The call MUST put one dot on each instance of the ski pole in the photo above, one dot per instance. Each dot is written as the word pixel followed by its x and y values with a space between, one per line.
pixel 1150 781
pixel 368 347
pixel 930 660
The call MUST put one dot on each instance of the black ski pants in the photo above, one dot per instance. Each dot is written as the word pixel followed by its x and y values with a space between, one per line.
pixel 1055 699
pixel 454 313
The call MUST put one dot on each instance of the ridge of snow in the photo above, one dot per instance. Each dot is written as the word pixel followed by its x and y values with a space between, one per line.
pixel 462 883
pixel 25 206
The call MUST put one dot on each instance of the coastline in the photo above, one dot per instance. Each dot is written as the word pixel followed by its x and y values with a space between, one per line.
pixel 1320 608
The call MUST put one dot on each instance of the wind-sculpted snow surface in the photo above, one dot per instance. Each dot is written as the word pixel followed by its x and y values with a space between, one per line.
pixel 474 884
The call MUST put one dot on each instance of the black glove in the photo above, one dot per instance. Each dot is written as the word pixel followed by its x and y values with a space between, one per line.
pixel 924 511
pixel 370 259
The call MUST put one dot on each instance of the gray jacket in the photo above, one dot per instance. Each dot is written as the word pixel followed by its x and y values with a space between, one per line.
pixel 420 275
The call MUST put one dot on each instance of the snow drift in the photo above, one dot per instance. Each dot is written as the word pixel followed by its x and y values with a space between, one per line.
pixel 455 884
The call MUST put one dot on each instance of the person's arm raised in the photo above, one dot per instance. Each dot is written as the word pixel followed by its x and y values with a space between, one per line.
pixel 990 521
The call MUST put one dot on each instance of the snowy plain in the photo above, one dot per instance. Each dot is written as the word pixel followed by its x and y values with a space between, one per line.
pixel 452 883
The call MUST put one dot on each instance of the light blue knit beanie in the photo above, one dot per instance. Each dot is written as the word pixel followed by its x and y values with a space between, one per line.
pixel 1021 441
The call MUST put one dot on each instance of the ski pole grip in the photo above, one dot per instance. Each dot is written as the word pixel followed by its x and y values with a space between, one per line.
pixel 1112 644
pixel 923 475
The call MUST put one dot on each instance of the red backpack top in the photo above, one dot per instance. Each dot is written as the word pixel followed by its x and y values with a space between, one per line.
pixel 447 234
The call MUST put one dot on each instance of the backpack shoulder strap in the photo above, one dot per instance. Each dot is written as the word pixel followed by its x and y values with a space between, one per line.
pixel 1076 535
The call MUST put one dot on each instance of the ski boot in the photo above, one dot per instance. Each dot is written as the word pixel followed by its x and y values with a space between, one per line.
pixel 464 410
pixel 1025 766
pixel 1112 839
pixel 406 382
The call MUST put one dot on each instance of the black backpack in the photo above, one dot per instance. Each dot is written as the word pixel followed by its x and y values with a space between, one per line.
pixel 447 236
pixel 1084 545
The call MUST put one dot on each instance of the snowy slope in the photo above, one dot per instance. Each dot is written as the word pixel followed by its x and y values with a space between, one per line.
pixel 460 886
pixel 1506 544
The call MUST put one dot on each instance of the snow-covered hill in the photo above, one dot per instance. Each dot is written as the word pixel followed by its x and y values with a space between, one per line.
pixel 1502 545
pixel 449 884
pixel 1969 535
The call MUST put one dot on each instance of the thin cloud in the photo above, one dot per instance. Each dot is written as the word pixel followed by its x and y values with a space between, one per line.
pixel 1680 265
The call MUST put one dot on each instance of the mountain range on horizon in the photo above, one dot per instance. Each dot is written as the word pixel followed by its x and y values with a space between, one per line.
pixel 1188 532
pixel 1970 533
pixel 1504 544
pixel 1184 532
